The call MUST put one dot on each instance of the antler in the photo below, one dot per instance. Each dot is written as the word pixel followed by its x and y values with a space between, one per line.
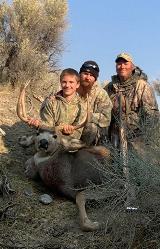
pixel 21 110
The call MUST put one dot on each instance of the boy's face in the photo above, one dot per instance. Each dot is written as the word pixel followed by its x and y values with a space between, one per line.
pixel 69 85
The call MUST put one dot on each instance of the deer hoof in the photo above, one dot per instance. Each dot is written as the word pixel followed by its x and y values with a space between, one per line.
pixel 89 226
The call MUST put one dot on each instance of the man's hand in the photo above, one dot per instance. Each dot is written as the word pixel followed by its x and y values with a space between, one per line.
pixel 33 122
pixel 67 129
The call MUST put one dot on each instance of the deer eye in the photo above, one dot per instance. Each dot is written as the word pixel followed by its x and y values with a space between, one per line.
pixel 55 136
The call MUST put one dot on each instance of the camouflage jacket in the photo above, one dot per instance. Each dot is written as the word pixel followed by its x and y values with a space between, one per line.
pixel 56 110
pixel 100 106
pixel 139 103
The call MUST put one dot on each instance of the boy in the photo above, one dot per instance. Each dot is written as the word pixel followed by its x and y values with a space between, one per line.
pixel 63 110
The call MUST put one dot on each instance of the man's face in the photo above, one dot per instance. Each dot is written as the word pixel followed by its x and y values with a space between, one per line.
pixel 124 69
pixel 87 79
pixel 69 84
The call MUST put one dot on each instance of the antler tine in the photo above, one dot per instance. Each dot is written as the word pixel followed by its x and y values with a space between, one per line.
pixel 23 94
pixel 39 98
pixel 21 112
pixel 86 118
pixel 19 108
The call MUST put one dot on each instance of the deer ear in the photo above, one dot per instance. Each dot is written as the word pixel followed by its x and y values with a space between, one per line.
pixel 72 144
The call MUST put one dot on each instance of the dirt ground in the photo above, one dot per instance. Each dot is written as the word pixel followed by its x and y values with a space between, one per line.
pixel 27 223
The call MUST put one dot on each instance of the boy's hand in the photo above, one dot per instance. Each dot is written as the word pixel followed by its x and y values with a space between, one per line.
pixel 33 122
pixel 67 129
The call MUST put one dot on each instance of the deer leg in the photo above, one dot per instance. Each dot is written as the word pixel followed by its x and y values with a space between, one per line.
pixel 85 222
pixel 31 170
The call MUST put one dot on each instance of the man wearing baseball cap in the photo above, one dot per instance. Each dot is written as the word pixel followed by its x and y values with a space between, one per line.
pixel 137 107
pixel 99 103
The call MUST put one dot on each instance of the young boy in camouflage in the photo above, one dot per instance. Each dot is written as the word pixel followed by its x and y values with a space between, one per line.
pixel 64 110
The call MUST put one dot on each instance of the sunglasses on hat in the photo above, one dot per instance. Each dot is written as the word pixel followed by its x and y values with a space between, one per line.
pixel 88 65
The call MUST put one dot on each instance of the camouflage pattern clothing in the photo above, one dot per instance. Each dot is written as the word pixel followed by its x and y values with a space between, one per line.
pixel 139 106
pixel 100 107
pixel 56 111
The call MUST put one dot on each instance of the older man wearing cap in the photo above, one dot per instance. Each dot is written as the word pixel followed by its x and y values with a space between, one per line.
pixel 99 103
pixel 137 105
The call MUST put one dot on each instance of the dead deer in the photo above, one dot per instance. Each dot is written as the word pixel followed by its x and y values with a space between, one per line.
pixel 70 173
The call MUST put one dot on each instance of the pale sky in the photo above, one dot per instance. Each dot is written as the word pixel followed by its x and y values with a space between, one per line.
pixel 99 30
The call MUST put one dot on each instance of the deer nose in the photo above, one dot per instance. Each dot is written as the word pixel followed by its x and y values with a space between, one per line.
pixel 43 143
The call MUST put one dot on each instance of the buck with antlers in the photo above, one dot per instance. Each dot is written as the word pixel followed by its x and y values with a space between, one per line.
pixel 69 173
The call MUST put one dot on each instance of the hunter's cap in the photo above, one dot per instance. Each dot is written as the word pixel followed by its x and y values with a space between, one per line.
pixel 91 67
pixel 124 56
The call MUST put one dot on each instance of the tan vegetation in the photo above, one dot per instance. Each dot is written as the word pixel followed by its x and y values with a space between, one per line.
pixel 31 35
pixel 156 85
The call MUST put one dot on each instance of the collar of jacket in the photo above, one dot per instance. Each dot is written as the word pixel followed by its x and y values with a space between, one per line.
pixel 94 87
pixel 124 85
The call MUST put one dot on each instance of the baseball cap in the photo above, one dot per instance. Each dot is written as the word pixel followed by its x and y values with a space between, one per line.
pixel 124 56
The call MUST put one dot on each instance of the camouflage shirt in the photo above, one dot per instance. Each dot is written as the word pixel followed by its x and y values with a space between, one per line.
pixel 100 106
pixel 139 103
pixel 56 110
